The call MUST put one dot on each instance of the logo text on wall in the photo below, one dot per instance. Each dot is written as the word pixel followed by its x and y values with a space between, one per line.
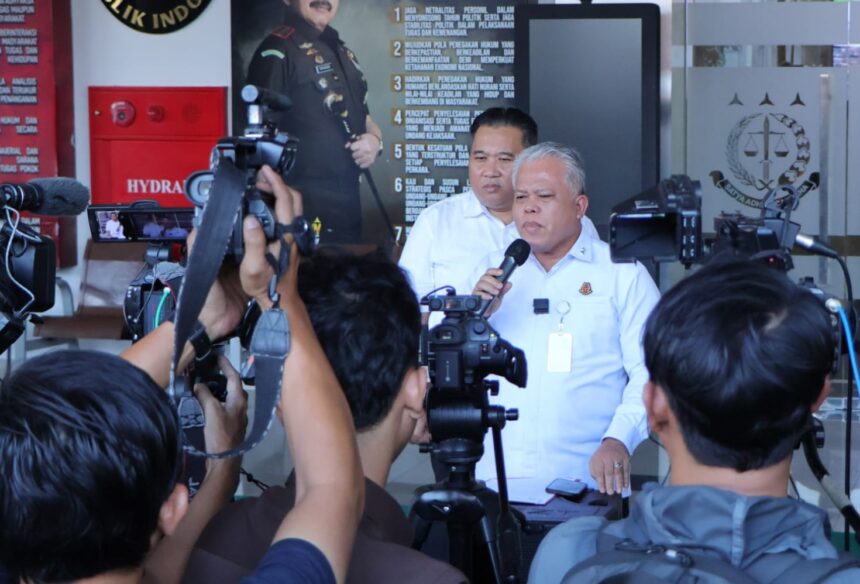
pixel 156 16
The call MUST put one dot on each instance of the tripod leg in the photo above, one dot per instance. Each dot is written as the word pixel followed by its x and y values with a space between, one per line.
pixel 460 547
pixel 488 534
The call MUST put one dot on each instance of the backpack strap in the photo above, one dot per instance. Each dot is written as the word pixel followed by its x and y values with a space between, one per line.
pixel 816 571
pixel 669 563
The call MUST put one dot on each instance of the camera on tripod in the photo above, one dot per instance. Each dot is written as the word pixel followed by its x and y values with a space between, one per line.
pixel 459 353
pixel 664 224
pixel 261 144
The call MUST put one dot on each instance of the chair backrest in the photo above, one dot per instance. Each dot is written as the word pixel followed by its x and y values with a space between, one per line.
pixel 108 270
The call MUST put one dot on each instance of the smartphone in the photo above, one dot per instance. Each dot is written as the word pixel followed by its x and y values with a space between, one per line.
pixel 119 223
pixel 567 488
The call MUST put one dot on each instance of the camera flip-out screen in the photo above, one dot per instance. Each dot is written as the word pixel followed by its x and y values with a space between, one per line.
pixel 123 224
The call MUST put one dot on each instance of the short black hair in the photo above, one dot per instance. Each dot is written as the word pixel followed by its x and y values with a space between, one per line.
pixel 89 451
pixel 742 354
pixel 368 322
pixel 497 117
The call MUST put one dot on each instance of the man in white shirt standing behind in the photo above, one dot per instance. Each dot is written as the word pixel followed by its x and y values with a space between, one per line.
pixel 579 318
pixel 450 237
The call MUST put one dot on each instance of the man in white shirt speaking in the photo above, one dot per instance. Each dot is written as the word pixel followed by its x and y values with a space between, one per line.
pixel 579 318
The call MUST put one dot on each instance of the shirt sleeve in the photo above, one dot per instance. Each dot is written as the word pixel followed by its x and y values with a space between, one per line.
pixel 270 67
pixel 292 561
pixel 415 258
pixel 629 424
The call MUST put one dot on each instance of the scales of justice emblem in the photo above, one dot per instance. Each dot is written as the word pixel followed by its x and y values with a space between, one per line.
pixel 766 151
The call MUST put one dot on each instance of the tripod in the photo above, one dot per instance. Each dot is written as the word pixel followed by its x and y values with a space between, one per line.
pixel 463 503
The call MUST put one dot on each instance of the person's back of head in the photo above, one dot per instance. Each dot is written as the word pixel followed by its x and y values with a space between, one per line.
pixel 742 354
pixel 90 452
pixel 367 320
pixel 497 117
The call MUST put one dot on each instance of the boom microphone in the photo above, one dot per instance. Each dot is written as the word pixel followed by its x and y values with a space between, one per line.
pixel 46 196
pixel 515 255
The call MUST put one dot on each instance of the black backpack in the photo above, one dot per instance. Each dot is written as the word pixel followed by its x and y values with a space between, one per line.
pixel 623 561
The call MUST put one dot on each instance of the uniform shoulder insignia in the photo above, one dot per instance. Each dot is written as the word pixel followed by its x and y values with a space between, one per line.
pixel 284 32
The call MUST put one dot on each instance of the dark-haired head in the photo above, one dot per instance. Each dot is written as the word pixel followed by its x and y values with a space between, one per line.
pixel 497 117
pixel 743 354
pixel 89 452
pixel 367 320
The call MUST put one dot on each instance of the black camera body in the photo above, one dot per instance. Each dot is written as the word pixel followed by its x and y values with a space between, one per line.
pixel 464 348
pixel 261 144
pixel 459 353
pixel 33 264
pixel 664 224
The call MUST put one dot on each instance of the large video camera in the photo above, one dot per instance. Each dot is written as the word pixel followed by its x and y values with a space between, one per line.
pixel 664 224
pixel 459 353
pixel 261 144
pixel 28 267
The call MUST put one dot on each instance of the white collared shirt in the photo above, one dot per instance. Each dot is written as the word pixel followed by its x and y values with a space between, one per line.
pixel 564 416
pixel 449 239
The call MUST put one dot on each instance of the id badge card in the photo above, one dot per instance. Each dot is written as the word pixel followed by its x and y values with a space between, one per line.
pixel 559 352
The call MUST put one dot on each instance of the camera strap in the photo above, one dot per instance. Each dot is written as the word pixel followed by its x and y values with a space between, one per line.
pixel 270 341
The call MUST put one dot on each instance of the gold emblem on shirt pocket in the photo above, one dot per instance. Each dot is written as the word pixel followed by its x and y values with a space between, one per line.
pixel 585 289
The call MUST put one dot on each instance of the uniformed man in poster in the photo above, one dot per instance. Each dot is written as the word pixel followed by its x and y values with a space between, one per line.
pixel 306 60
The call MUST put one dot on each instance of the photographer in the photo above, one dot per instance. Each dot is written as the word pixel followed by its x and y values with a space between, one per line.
pixel 65 512
pixel 367 321
pixel 738 358
pixel 578 316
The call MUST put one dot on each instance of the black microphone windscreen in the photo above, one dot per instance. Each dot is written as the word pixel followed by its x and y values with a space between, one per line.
pixel 62 196
pixel 519 250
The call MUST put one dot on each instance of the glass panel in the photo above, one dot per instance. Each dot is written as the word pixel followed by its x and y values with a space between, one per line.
pixel 766 94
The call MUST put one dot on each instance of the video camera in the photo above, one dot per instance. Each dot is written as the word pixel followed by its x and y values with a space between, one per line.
pixel 459 353
pixel 150 299
pixel 664 224
pixel 28 269
pixel 261 144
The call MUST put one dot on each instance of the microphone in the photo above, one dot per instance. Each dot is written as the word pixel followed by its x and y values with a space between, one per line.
pixel 515 255
pixel 47 196
pixel 271 99
pixel 813 244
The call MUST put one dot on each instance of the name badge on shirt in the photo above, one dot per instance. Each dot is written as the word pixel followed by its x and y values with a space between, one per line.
pixel 559 352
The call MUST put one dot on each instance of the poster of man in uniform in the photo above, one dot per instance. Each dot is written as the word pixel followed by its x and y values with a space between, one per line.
pixel 402 80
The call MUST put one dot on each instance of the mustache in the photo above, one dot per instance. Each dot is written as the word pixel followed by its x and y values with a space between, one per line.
pixel 321 4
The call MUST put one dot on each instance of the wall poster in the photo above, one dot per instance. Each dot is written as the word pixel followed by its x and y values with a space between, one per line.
pixel 27 94
pixel 431 66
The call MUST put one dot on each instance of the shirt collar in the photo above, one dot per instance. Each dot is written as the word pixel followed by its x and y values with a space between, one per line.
pixel 472 207
pixel 582 249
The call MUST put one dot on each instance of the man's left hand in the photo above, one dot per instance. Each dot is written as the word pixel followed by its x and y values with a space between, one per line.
pixel 365 149
pixel 610 466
